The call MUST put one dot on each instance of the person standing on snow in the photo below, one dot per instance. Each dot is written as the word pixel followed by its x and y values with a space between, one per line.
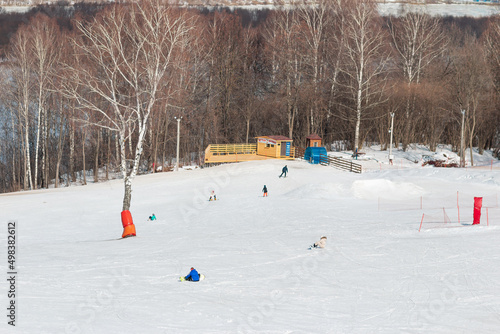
pixel 213 197
pixel 284 171
pixel 192 276
pixel 265 191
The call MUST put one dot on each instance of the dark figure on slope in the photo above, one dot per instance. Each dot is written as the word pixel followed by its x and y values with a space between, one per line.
pixel 265 191
pixel 284 171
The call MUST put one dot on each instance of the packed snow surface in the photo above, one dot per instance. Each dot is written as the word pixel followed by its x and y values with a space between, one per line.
pixel 377 274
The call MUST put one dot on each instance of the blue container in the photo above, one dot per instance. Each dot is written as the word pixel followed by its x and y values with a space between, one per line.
pixel 313 154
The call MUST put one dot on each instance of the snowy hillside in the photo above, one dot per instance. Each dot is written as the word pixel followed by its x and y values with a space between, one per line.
pixel 377 274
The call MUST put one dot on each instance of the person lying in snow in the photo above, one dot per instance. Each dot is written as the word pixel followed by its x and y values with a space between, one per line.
pixel 152 217
pixel 192 276
pixel 321 243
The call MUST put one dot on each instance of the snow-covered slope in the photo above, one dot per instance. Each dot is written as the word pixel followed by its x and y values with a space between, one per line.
pixel 378 274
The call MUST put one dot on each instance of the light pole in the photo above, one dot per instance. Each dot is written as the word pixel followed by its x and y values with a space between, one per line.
pixel 178 141
pixel 462 141
pixel 390 142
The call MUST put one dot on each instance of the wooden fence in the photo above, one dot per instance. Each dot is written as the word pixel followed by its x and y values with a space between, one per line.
pixel 299 152
pixel 340 163
pixel 225 149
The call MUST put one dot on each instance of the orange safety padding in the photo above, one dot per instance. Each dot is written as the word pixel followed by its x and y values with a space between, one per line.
pixel 129 231
pixel 126 218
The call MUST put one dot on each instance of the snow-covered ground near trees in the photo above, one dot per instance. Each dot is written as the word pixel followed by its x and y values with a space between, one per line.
pixel 377 274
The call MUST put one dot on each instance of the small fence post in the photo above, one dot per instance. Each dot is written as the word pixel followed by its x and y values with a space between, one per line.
pixel 487 218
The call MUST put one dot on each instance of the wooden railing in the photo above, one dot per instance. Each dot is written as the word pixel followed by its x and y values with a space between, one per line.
pixel 340 163
pixel 222 153
pixel 230 153
pixel 233 149
pixel 299 152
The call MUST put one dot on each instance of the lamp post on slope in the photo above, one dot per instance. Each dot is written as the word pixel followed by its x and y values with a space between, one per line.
pixel 462 141
pixel 178 142
pixel 390 142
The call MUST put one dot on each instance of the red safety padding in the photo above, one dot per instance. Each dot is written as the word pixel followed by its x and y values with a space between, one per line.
pixel 478 203
pixel 127 218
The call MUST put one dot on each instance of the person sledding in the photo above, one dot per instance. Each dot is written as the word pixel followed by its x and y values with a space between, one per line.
pixel 193 276
pixel 284 171
pixel 319 244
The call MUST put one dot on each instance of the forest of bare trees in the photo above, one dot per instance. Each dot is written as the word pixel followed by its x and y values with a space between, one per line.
pixel 96 89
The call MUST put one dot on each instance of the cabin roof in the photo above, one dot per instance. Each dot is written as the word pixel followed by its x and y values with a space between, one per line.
pixel 278 137
pixel 313 136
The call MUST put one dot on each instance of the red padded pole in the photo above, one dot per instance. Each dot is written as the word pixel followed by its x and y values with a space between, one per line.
pixel 478 203
pixel 128 225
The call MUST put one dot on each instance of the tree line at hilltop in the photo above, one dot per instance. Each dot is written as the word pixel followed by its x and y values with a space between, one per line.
pixel 97 86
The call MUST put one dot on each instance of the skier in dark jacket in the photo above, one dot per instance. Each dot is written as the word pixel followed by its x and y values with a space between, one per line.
pixel 192 276
pixel 265 191
pixel 284 171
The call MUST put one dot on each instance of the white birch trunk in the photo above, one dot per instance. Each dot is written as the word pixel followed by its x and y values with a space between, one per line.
pixel 27 158
pixel 37 146
pixel 72 154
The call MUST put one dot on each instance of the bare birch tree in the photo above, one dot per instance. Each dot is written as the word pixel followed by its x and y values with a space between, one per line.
pixel 365 62
pixel 418 40
pixel 130 50
pixel 281 34
pixel 21 85
pixel 335 44
pixel 472 84
pixel 492 45
pixel 249 79
pixel 44 48
pixel 315 21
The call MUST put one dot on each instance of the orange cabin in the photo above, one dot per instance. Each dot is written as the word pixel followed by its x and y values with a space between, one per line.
pixel 313 140
pixel 267 147
pixel 275 147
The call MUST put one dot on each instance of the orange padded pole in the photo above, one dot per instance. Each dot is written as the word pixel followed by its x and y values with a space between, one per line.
pixel 128 225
